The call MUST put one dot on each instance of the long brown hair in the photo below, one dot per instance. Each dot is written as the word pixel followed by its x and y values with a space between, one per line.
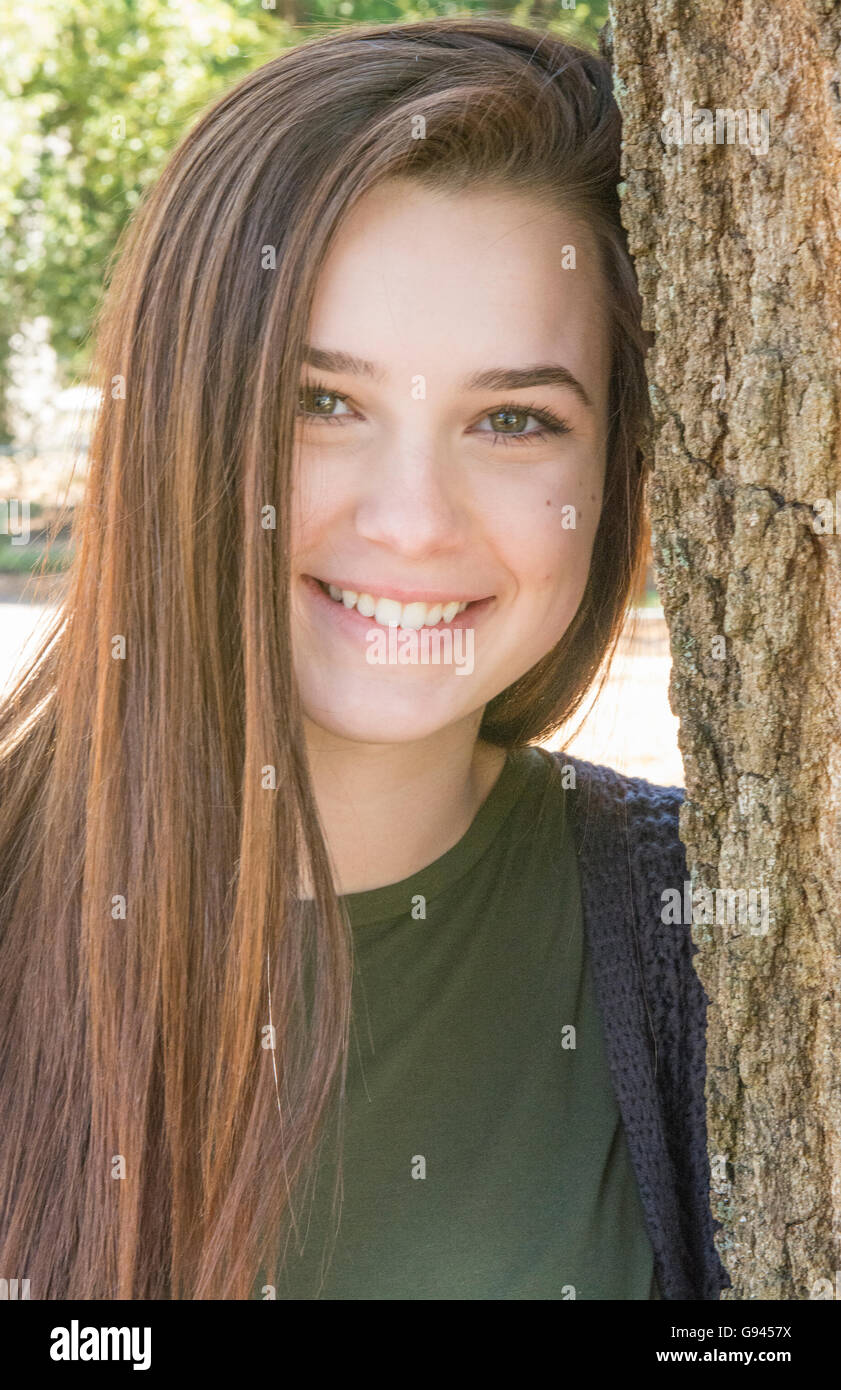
pixel 155 805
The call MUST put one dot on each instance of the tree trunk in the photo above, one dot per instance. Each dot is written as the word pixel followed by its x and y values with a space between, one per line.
pixel 738 253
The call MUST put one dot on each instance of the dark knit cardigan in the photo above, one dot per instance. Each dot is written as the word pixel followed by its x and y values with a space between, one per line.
pixel 654 1011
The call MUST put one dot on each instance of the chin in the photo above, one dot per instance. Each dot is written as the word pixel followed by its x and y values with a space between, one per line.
pixel 375 714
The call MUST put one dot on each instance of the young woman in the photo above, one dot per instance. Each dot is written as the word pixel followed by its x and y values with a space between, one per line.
pixel 318 978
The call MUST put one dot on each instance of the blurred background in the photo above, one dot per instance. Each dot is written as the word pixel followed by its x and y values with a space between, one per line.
pixel 93 96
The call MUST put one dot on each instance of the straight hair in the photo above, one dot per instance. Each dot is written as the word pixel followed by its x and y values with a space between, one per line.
pixel 160 1133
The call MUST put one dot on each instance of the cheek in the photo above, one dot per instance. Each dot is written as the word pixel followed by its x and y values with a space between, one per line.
pixel 558 574
pixel 549 549
pixel 315 503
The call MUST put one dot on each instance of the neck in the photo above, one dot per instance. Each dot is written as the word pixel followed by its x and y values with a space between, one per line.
pixel 388 810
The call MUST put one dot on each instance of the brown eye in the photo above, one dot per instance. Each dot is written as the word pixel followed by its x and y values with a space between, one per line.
pixel 317 403
pixel 511 421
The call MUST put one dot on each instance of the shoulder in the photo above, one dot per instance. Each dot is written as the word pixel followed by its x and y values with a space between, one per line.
pixel 609 790
pixel 616 812
pixel 627 833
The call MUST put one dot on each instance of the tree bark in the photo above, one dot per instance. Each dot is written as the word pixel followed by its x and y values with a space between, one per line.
pixel 738 254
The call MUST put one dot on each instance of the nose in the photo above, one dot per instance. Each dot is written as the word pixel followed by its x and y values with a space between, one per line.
pixel 412 503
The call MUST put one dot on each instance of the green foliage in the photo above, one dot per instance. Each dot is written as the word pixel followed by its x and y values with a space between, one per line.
pixel 96 93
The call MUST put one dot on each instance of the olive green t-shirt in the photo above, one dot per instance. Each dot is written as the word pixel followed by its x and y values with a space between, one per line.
pixel 484 1156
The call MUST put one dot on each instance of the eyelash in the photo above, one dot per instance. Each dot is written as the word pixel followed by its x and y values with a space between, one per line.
pixel 552 424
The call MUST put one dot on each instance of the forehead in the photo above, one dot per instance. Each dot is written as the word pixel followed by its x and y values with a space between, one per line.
pixel 441 283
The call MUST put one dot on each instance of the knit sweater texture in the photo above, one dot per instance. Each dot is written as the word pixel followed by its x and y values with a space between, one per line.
pixel 654 1009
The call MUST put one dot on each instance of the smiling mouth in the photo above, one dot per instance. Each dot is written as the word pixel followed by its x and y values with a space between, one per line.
pixel 389 612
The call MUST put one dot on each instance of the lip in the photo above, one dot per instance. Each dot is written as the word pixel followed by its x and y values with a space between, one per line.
pixel 351 621
pixel 428 596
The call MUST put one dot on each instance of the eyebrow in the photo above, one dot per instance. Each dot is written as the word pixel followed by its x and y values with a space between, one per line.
pixel 494 379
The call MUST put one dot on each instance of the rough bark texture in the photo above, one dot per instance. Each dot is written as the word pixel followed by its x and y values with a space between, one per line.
pixel 738 254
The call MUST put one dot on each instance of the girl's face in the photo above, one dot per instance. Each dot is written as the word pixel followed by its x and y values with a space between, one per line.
pixel 451 450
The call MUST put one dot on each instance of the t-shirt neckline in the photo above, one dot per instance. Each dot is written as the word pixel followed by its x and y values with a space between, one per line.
pixel 396 899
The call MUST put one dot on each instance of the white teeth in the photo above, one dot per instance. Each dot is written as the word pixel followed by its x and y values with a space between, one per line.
pixel 388 612
pixel 414 615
